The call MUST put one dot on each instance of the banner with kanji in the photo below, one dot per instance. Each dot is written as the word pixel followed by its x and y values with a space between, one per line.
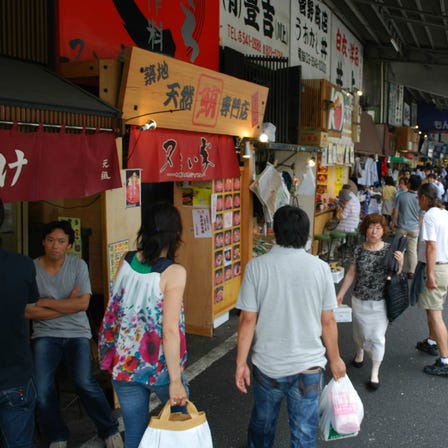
pixel 55 165
pixel 168 156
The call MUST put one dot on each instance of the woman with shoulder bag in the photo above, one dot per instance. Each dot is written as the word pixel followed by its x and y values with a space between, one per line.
pixel 368 273
pixel 142 337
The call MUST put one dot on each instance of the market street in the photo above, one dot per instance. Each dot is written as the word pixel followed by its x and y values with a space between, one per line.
pixel 409 409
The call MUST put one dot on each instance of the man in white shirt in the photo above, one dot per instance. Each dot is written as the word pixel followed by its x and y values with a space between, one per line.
pixel 432 179
pixel 433 259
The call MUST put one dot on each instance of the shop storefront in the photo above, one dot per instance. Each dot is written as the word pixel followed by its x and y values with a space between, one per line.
pixel 198 116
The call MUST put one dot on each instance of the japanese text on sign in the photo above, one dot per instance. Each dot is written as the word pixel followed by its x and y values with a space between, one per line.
pixel 255 25
pixel 210 102
pixel 310 26
pixel 16 166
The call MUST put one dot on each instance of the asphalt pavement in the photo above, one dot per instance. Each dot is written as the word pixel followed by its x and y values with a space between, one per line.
pixel 408 410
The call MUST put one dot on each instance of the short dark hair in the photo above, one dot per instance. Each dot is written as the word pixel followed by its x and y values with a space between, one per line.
pixel 374 218
pixel 2 212
pixel 161 228
pixel 64 225
pixel 291 227
pixel 431 192
pixel 414 182
pixel 389 180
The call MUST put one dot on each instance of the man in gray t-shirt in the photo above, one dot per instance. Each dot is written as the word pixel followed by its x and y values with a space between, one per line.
pixel 406 219
pixel 61 333
pixel 286 300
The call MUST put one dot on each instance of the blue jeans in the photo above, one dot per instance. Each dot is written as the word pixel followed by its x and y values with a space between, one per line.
pixel 75 353
pixel 302 392
pixel 134 403
pixel 17 415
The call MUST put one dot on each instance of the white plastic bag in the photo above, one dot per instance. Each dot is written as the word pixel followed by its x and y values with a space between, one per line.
pixel 308 185
pixel 178 430
pixel 340 409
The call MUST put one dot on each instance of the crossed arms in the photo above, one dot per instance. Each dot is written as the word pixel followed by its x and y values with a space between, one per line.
pixel 47 308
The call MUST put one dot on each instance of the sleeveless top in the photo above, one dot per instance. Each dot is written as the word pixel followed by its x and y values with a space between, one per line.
pixel 130 337
pixel 371 272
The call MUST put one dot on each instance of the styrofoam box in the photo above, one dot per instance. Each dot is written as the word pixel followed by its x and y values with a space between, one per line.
pixel 343 313
pixel 337 275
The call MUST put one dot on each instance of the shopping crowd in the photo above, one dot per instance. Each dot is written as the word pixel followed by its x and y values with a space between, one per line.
pixel 285 338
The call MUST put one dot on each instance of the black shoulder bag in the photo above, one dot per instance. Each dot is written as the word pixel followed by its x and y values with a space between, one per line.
pixel 396 290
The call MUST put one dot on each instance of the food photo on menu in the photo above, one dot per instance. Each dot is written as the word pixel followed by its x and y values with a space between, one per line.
pixel 228 202
pixel 219 294
pixel 236 218
pixel 219 240
pixel 236 252
pixel 227 256
pixel 218 221
pixel 218 258
pixel 219 186
pixel 218 276
pixel 219 204
pixel 236 200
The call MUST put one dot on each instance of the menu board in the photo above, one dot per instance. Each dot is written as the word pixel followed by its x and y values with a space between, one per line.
pixel 226 234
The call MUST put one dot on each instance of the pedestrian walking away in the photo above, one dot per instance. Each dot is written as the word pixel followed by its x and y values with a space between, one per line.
pixel 287 299
pixel 142 337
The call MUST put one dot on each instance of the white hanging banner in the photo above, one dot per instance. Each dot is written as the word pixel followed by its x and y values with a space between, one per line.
pixel 346 57
pixel 255 28
pixel 310 38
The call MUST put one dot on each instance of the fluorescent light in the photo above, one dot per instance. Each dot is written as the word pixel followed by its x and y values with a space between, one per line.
pixel 395 44
pixel 247 151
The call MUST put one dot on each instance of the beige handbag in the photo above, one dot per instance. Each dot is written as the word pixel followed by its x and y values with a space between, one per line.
pixel 176 429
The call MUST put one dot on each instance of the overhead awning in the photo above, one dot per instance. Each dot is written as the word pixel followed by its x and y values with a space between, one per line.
pixel 36 164
pixel 398 160
pixel 369 141
pixel 166 155
pixel 30 85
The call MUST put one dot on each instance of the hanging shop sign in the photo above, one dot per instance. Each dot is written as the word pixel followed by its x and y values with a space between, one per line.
pixel 310 38
pixel 255 28
pixel 346 57
pixel 188 31
pixel 336 112
pixel 46 165
pixel 170 156
pixel 432 119
pixel 183 96
pixel 395 106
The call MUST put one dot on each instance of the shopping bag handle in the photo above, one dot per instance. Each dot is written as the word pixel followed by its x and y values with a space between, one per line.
pixel 164 421
pixel 166 411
